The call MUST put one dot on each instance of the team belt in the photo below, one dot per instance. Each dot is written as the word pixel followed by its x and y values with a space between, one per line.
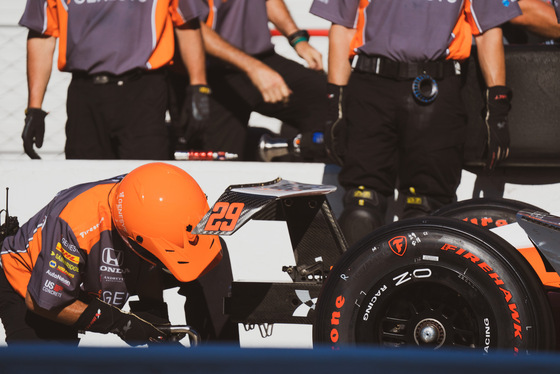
pixel 107 78
pixel 405 70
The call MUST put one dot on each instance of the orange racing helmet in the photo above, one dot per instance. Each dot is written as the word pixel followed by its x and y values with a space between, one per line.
pixel 155 208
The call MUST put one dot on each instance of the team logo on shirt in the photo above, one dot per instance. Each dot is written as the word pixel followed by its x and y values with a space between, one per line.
pixel 116 298
pixel 112 257
pixel 52 288
pixel 112 279
pixel 70 257
pixel 64 271
pixel 69 246
pixel 60 268
pixel 64 260
pixel 58 277
pixel 112 261
pixel 93 228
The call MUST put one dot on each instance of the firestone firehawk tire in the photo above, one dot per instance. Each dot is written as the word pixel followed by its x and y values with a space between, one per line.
pixel 486 212
pixel 434 282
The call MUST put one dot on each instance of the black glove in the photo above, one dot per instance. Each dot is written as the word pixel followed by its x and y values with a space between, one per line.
pixel 498 104
pixel 335 128
pixel 196 110
pixel 104 318
pixel 33 131
pixel 154 312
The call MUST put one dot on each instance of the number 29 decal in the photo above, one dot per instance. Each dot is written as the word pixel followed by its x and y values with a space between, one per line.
pixel 224 216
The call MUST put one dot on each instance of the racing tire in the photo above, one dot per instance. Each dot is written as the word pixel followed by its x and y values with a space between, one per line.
pixel 486 212
pixel 434 282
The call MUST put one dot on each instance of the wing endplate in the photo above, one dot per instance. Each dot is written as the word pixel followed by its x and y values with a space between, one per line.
pixel 241 203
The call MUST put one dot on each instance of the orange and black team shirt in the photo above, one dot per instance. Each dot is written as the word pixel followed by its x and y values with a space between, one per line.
pixel 69 247
pixel 416 30
pixel 111 36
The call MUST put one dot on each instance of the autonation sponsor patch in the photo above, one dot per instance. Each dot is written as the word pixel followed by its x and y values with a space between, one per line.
pixel 59 277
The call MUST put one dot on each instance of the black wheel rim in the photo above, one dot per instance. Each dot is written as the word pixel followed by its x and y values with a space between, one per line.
pixel 429 315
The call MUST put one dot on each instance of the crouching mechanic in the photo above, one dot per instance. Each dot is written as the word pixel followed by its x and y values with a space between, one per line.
pixel 73 266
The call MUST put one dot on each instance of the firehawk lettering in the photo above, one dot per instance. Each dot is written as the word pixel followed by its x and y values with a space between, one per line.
pixel 496 278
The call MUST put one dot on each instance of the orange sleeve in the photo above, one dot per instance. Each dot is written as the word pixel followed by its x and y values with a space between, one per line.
pixel 460 47
pixel 52 19
pixel 176 16
pixel 358 39
pixel 211 14
pixel 470 19
pixel 165 17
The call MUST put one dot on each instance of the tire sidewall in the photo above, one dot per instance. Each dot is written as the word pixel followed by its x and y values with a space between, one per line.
pixel 360 287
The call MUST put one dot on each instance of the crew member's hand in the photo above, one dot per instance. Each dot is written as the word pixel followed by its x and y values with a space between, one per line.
pixel 136 331
pixel 198 97
pixel 33 131
pixel 105 318
pixel 312 56
pixel 270 83
pixel 498 104
pixel 155 313
pixel 335 128
pixel 195 111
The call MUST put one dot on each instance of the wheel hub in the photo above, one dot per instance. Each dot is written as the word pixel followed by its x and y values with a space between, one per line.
pixel 429 332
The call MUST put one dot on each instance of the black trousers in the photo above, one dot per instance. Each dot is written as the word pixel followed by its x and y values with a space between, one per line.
pixel 119 119
pixel 24 326
pixel 396 142
pixel 234 97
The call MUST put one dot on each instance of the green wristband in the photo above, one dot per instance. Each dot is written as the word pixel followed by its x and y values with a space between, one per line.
pixel 298 36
